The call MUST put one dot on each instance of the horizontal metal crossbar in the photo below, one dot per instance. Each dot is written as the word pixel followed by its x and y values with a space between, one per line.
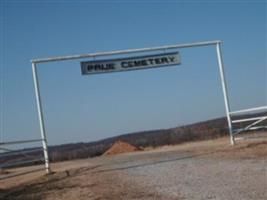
pixel 17 152
pixel 257 127
pixel 252 129
pixel 20 162
pixel 110 53
pixel 249 119
pixel 250 126
pixel 20 142
pixel 248 110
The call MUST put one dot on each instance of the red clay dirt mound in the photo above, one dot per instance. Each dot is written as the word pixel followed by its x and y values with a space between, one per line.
pixel 121 147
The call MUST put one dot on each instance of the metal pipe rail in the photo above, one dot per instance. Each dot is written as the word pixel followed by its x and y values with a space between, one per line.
pixel 24 159
pixel 252 128
pixel 20 161
pixel 249 119
pixel 20 142
pixel 251 125
pixel 248 110
pixel 23 152
pixel 111 53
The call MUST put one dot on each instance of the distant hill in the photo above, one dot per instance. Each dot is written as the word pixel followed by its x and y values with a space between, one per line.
pixel 199 131
pixel 154 138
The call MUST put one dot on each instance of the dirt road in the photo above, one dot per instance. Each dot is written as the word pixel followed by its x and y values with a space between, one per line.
pixel 194 171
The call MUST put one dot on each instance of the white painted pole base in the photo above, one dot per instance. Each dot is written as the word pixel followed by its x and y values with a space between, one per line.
pixel 232 140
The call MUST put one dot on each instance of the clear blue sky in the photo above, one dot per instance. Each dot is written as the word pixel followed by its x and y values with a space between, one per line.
pixel 87 108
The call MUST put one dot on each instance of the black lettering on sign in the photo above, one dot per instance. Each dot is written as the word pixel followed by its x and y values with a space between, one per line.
pixel 157 60
pixel 111 66
pixel 130 64
pixel 144 62
pixel 164 60
pixel 101 67
pixel 138 63
pixel 98 67
pixel 172 58
pixel 151 61
pixel 124 64
pixel 90 67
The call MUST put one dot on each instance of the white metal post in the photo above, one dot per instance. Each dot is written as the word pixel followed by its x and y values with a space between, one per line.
pixel 40 115
pixel 225 93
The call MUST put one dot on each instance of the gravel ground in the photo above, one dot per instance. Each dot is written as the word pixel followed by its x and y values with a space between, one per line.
pixel 203 178
pixel 193 171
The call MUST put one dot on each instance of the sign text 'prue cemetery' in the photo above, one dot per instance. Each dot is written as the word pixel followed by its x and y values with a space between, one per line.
pixel 130 63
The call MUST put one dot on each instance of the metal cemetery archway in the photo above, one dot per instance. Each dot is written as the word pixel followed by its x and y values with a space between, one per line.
pixel 111 68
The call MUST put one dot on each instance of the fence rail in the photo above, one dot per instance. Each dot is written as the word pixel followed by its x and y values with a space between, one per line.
pixel 248 110
pixel 254 120
pixel 20 142
pixel 249 119
pixel 10 158
pixel 10 152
